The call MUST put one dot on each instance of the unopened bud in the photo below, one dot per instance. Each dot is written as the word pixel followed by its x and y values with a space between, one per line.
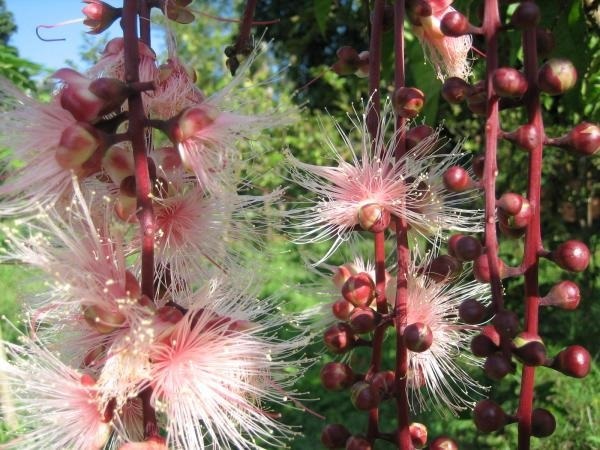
pixel 585 139
pixel 572 255
pixel 339 338
pixel 529 348
pixel 78 143
pixel 364 396
pixel 191 122
pixel 359 289
pixel 364 319
pixel 557 76
pixel 373 217
pixel 526 136
pixel 443 443
pixel 497 366
pixel 509 82
pixel 334 435
pixel 336 376
pixel 417 134
pixel 417 337
pixel 342 273
pixel 418 434
pixel 408 101
pixel 457 179
pixel 99 15
pixel 563 295
pixel 455 24
pixel 543 423
pixel 573 361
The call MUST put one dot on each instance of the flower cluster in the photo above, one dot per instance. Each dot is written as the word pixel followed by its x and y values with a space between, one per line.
pixel 192 362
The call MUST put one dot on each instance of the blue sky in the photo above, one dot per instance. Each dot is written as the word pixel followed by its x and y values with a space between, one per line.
pixel 28 14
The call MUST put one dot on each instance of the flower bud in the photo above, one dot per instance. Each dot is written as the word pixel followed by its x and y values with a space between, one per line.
pixel 509 82
pixel 99 16
pixel 348 61
pixel 455 90
pixel 455 24
pixel 585 139
pixel 339 338
pixel 334 435
pixel 488 416
pixel 526 136
pixel 418 434
pixel 507 323
pixel 416 10
pixel 510 203
pixel 573 361
pixel 443 443
pixel 77 144
pixel 529 348
pixel 417 134
pixel 408 101
pixel 364 319
pixel 111 91
pixel 190 122
pixel 443 269
pixel 373 217
pixel 364 396
pixel 384 383
pixel 543 423
pixel 497 366
pixel 557 76
pixel 519 219
pixel 527 15
pixel 417 337
pixel 117 162
pixel 563 295
pixel 472 311
pixel 103 320
pixel 342 309
pixel 464 248
pixel 485 343
pixel 359 289
pixel 336 376
pixel 342 273
pixel 481 269
pixel 358 443
pixel 572 255
pixel 457 179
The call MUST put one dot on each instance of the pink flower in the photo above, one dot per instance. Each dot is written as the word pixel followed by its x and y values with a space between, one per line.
pixel 215 370
pixel 411 187
pixel 449 55
pixel 57 406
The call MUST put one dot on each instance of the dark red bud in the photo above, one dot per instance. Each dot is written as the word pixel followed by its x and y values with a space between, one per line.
pixel 336 376
pixel 364 319
pixel 455 24
pixel 408 101
pixel 443 268
pixel 574 361
pixel 526 136
pixel 384 382
pixel 342 273
pixel 472 311
pixel 464 248
pixel 457 179
pixel 418 434
pixel 585 139
pixel 373 217
pixel 339 338
pixel 417 134
pixel 557 76
pixel 348 55
pixel 543 423
pixel 482 346
pixel 455 90
pixel 518 220
pixel 334 435
pixel 509 82
pixel 529 348
pixel 507 323
pixel 477 102
pixel 563 295
pixel 488 416
pixel 358 443
pixel 497 366
pixel 418 337
pixel 510 203
pixel 527 15
pixel 364 396
pixel 342 309
pixel 417 9
pixel 443 443
pixel 572 255
pixel 359 289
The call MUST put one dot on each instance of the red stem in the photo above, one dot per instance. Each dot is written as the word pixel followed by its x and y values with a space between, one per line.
pixel 373 114
pixel 533 237
pixel 136 131
pixel 403 439
pixel 242 41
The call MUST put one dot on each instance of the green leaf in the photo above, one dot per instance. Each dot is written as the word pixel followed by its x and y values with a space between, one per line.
pixel 321 9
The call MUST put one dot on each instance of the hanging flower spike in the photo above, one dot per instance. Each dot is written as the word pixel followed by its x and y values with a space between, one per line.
pixel 56 405
pixel 215 374
pixel 374 185
pixel 449 55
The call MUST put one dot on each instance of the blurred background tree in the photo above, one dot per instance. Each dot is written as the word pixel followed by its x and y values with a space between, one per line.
pixel 296 70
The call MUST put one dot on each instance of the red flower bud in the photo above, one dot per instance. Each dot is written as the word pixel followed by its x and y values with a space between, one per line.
pixel 574 361
pixel 417 134
pixel 464 248
pixel 526 136
pixel 557 76
pixel 455 90
pixel 364 319
pixel 497 366
pixel 472 311
pixel 481 269
pixel 339 338
pixel 527 15
pixel 418 434
pixel 455 24
pixel 543 423
pixel 191 122
pixel 78 143
pixel 488 416
pixel 486 343
pixel 384 383
pixel 509 82
pixel 364 396
pixel 334 435
pixel 563 295
pixel 585 139
pixel 408 101
pixel 99 15
pixel 572 255
pixel 443 443
pixel 418 337
pixel 342 309
pixel 457 179
pixel 507 323
pixel 336 376
pixel 443 268
pixel 359 289
pixel 529 348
